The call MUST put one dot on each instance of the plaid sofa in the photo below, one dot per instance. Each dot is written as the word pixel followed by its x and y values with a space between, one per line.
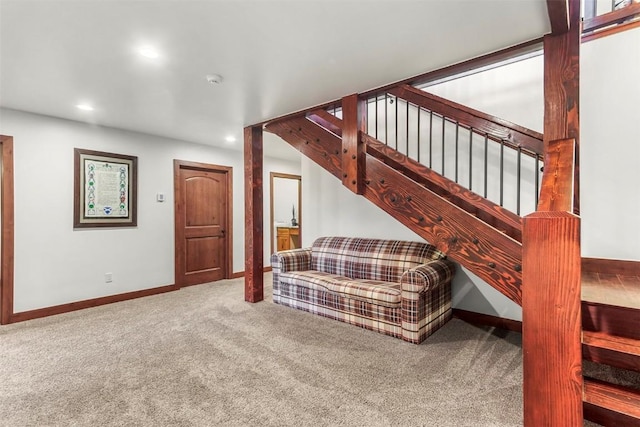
pixel 398 288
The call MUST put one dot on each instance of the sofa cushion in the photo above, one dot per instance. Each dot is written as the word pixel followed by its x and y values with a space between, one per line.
pixel 370 259
pixel 373 291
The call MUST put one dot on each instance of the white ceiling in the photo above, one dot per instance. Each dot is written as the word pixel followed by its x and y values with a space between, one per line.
pixel 276 57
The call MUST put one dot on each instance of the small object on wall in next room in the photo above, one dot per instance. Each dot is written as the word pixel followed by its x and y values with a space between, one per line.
pixel 294 221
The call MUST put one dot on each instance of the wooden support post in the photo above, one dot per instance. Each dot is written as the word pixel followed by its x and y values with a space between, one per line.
pixel 562 88
pixel 551 322
pixel 253 231
pixel 558 15
pixel 353 149
pixel 556 191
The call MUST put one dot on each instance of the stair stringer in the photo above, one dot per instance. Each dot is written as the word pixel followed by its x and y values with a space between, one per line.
pixel 491 255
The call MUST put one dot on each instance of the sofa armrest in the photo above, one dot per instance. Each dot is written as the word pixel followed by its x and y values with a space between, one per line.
pixel 293 260
pixel 426 299
pixel 427 276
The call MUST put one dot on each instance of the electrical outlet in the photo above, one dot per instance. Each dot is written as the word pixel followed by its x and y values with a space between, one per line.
pixel 108 277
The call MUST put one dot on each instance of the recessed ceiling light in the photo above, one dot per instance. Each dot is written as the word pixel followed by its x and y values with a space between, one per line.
pixel 230 139
pixel 84 107
pixel 149 52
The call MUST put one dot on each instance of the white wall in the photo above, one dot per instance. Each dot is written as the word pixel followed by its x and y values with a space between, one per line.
pixel 55 264
pixel 514 92
pixel 610 152
pixel 609 160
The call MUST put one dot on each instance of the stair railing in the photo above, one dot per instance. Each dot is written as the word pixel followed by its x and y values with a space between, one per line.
pixel 622 14
pixel 549 257
pixel 496 159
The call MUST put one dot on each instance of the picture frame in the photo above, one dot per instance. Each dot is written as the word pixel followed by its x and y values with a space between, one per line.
pixel 105 189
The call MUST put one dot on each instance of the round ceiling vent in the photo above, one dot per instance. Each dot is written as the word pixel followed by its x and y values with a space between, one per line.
pixel 214 78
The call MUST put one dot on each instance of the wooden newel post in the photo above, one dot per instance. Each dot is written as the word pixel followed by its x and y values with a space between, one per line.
pixel 253 226
pixel 551 328
pixel 353 149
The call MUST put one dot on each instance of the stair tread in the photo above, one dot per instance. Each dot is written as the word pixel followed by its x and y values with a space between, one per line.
pixel 621 290
pixel 612 350
pixel 611 342
pixel 616 398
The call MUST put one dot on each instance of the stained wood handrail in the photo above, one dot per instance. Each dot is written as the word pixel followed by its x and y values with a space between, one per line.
pixel 611 18
pixel 556 191
pixel 513 135
pixel 326 120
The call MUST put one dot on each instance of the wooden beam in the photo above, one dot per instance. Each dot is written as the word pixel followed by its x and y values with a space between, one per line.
pixel 253 208
pixel 558 15
pixel 551 322
pixel 494 257
pixel 551 275
pixel 556 191
pixel 562 88
pixel 353 149
pixel 326 120
pixel 312 140
pixel 484 209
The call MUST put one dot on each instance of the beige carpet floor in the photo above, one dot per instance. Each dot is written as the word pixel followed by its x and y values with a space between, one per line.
pixel 201 356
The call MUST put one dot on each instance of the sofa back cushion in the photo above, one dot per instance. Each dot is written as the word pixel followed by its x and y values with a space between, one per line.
pixel 371 259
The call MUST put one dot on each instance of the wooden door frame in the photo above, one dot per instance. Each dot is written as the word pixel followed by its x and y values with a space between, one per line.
pixel 273 175
pixel 178 207
pixel 7 231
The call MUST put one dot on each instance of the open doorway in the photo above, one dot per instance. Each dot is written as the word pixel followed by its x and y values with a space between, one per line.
pixel 285 211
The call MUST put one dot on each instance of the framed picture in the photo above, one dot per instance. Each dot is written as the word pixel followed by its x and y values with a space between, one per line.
pixel 104 189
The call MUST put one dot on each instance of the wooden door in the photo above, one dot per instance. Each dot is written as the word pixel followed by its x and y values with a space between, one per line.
pixel 203 218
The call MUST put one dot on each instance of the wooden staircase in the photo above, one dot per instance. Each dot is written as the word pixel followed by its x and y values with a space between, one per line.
pixel 611 337
pixel 534 259
pixel 471 230
pixel 480 235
